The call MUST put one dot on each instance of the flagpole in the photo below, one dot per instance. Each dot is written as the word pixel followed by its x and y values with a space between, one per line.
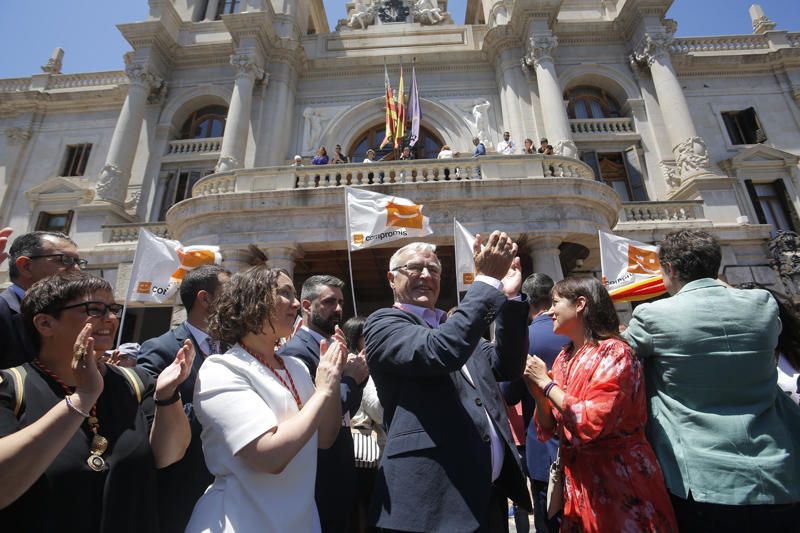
pixel 130 285
pixel 347 243
pixel 455 258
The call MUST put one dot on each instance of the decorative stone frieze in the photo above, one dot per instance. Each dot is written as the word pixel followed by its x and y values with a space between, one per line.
pixel 363 14
pixel 691 155
pixel 565 148
pixel 16 136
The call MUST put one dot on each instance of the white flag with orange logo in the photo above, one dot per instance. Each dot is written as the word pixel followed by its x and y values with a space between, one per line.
pixel 463 242
pixel 631 270
pixel 160 265
pixel 375 218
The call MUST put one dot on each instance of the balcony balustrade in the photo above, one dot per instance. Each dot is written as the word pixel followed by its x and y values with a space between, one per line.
pixel 603 128
pixel 393 172
pixel 636 212
pixel 193 149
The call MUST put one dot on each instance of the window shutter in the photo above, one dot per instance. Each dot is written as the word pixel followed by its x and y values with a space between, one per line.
pixel 787 205
pixel 633 166
pixel 751 190
pixel 590 158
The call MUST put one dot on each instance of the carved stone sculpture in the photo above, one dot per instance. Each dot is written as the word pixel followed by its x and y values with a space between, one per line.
pixel 314 126
pixel 363 14
pixel 566 149
pixel 392 11
pixel 670 173
pixel 226 163
pixel 691 155
pixel 112 184
pixel 426 12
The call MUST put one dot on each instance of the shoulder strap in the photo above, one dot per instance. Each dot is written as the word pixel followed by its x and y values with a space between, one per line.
pixel 134 381
pixel 18 373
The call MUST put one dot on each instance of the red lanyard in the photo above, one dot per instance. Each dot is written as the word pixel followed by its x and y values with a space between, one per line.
pixel 290 386
pixel 99 444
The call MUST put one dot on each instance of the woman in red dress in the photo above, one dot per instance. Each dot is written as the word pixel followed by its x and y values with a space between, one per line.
pixel 596 397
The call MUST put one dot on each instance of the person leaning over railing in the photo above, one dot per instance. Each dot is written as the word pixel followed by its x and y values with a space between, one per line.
pixel 81 440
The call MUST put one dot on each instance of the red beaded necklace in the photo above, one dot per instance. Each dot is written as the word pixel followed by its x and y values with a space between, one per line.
pixel 290 386
pixel 99 443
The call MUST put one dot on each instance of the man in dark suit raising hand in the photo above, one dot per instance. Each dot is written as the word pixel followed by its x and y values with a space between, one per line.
pixel 450 461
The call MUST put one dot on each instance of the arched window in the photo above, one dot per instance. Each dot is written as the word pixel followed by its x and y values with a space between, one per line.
pixel 205 123
pixel 427 147
pixel 591 102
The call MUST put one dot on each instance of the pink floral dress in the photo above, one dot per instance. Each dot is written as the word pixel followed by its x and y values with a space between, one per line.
pixel 612 481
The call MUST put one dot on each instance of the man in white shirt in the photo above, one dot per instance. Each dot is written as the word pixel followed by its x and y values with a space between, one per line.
pixel 506 146
pixel 180 485
pixel 450 460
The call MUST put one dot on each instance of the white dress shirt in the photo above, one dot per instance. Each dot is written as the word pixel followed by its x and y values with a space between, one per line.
pixel 202 338
pixel 506 147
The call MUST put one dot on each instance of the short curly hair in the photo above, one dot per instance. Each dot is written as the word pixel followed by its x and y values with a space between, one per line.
pixel 245 304
pixel 691 254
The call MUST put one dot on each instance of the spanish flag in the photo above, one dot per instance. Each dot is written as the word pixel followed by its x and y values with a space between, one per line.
pixel 391 111
pixel 400 127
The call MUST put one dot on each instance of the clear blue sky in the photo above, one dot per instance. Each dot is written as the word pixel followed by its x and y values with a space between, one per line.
pixel 86 30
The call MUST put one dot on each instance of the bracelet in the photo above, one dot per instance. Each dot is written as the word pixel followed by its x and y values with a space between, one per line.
pixel 548 388
pixel 75 407
pixel 169 401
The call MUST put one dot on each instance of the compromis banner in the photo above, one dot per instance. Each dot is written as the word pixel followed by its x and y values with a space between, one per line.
pixel 160 265
pixel 631 270
pixel 376 218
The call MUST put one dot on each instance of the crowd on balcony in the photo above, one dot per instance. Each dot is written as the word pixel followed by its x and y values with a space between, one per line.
pixel 266 410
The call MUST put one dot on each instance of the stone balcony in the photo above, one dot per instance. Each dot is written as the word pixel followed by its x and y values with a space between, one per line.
pixel 193 150
pixel 391 173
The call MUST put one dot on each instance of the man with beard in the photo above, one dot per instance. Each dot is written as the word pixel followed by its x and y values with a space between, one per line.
pixel 322 301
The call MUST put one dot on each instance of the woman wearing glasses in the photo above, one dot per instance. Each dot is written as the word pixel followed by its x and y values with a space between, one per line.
pixel 80 440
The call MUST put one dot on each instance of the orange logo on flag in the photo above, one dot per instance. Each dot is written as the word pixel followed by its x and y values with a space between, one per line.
pixel 191 260
pixel 641 261
pixel 358 238
pixel 468 278
pixel 404 216
pixel 144 287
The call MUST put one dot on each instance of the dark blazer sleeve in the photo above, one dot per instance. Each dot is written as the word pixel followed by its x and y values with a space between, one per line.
pixel 157 354
pixel 397 343
pixel 510 341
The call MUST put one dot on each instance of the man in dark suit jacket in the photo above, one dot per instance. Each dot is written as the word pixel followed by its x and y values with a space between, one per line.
pixel 32 256
pixel 450 461
pixel 180 485
pixel 322 301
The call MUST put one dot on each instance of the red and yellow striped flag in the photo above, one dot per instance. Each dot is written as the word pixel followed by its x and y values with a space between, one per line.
pixel 400 125
pixel 391 112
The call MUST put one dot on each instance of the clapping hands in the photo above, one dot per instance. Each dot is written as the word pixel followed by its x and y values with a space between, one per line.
pixel 333 356
pixel 176 373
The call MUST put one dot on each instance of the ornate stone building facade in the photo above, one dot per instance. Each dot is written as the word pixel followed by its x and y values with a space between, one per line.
pixel 193 139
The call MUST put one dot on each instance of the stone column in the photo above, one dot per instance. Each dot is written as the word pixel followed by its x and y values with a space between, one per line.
pixel 546 257
pixel 282 256
pixel 211 9
pixel 688 147
pixel 509 79
pixel 113 183
pixel 234 142
pixel 556 122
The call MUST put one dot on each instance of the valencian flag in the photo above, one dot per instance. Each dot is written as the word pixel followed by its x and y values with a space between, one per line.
pixel 374 218
pixel 400 127
pixel 391 111
pixel 463 242
pixel 631 270
pixel 413 108
pixel 160 265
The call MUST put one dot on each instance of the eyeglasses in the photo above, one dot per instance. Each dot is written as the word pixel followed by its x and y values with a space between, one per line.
pixel 415 269
pixel 96 309
pixel 66 260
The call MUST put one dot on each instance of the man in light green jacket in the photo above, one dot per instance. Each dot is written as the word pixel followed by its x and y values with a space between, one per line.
pixel 727 439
